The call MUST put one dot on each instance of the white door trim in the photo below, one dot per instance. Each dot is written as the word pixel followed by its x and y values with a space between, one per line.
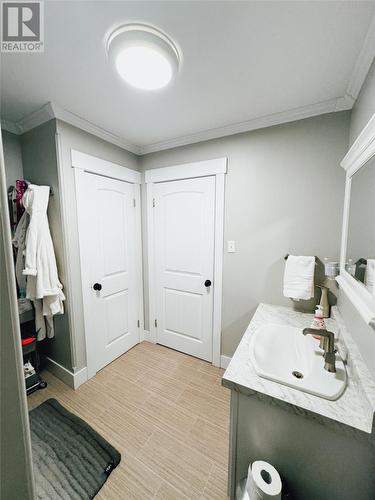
pixel 218 267
pixel 69 289
pixel 95 165
pixel 79 179
pixel 187 170
pixel 81 163
pixel 217 168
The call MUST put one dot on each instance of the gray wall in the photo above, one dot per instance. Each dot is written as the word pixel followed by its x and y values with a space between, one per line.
pixel 15 449
pixel 364 107
pixel 364 335
pixel 73 138
pixel 12 157
pixel 284 194
pixel 40 167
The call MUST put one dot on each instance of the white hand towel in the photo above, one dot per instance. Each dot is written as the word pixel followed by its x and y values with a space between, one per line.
pixel 370 275
pixel 299 277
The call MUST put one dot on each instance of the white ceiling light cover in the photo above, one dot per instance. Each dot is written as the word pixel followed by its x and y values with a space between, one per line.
pixel 143 56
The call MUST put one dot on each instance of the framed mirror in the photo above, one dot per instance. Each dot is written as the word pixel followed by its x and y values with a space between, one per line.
pixel 357 262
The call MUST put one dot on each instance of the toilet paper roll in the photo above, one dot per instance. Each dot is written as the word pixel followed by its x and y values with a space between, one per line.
pixel 263 482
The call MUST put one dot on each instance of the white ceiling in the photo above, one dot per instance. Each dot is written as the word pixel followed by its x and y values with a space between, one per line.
pixel 241 61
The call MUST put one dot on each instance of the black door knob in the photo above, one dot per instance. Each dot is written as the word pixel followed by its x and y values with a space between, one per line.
pixel 207 283
pixel 97 287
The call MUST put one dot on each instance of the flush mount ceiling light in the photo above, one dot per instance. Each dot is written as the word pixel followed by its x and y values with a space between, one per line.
pixel 143 56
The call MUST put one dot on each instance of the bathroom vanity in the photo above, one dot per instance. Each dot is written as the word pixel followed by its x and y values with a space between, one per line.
pixel 315 427
pixel 322 448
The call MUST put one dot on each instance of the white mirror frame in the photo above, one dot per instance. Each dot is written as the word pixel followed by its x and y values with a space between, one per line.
pixel 362 150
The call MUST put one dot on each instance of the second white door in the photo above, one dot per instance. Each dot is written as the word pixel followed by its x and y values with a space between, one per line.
pixel 184 232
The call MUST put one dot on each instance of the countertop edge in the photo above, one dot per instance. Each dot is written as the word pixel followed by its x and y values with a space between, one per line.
pixel 364 422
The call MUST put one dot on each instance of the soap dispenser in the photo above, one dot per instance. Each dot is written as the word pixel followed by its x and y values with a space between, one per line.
pixel 318 322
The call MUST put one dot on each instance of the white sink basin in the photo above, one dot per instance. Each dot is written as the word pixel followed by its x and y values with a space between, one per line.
pixel 283 354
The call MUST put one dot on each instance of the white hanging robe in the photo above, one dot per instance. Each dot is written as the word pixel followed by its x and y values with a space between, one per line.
pixel 43 286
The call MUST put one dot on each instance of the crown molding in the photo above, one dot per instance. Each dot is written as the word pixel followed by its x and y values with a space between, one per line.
pixel 344 103
pixel 363 63
pixel 51 111
pixel 91 128
pixel 9 126
pixel 34 119
pixel 320 108
pixel 41 115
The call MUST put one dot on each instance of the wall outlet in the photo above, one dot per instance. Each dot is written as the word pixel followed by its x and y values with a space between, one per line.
pixel 231 246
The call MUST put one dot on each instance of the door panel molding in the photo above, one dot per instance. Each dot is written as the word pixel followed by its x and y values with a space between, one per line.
pixel 217 168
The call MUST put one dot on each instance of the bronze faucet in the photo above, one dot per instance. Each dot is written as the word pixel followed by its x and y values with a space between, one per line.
pixel 328 345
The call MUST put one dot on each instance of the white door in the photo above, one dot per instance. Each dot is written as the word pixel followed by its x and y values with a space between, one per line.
pixel 108 245
pixel 184 229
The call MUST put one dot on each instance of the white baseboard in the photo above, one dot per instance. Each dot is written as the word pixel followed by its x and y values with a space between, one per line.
pixel 147 337
pixel 73 380
pixel 80 377
pixel 224 361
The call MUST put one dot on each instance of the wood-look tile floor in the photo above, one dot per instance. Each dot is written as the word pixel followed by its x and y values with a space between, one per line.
pixel 166 413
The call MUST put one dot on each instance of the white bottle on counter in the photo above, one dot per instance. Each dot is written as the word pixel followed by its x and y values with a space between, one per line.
pixel 318 322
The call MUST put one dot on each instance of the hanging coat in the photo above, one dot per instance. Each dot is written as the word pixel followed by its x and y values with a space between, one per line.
pixel 43 286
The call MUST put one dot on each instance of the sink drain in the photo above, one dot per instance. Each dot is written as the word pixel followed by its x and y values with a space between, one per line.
pixel 297 374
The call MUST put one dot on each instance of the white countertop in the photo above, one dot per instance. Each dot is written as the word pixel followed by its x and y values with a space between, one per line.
pixel 355 408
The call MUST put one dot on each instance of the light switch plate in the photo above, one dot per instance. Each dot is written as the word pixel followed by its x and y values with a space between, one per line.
pixel 231 246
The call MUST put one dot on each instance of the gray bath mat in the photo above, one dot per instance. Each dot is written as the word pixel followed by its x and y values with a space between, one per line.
pixel 71 460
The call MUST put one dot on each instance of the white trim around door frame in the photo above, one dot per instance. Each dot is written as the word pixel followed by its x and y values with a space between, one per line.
pixel 95 165
pixel 82 162
pixel 218 168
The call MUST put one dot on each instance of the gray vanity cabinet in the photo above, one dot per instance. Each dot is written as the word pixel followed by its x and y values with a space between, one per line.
pixel 316 457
